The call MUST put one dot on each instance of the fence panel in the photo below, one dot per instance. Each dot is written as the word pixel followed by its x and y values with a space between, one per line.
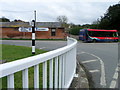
pixel 62 67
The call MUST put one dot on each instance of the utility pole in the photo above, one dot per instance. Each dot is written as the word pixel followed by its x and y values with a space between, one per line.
pixel 33 33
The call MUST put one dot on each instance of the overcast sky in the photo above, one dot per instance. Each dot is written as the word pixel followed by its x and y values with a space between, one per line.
pixel 77 11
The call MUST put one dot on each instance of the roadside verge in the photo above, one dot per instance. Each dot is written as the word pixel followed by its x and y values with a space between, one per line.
pixel 81 81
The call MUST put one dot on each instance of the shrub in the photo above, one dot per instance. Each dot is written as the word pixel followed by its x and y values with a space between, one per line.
pixel 75 31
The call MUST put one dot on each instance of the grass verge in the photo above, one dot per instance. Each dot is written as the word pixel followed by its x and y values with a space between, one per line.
pixel 12 53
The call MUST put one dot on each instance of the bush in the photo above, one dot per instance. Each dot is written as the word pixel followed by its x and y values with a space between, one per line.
pixel 75 31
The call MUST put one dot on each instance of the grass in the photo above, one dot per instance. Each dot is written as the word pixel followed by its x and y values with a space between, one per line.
pixel 30 39
pixel 12 53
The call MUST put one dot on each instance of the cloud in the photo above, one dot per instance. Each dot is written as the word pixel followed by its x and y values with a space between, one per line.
pixel 77 11
pixel 68 1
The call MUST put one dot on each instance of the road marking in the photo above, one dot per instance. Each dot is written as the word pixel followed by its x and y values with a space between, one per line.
pixel 115 76
pixel 42 48
pixel 102 79
pixel 88 61
pixel 116 69
pixel 92 71
pixel 113 84
pixel 80 53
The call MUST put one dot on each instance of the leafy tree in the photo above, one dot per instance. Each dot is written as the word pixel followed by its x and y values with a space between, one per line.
pixel 111 19
pixel 75 30
pixel 18 20
pixel 3 19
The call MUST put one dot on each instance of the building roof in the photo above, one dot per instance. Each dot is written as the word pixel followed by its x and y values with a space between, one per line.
pixel 14 24
pixel 26 24
pixel 48 24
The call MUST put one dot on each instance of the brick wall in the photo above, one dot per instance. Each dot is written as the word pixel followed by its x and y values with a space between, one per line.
pixel 14 33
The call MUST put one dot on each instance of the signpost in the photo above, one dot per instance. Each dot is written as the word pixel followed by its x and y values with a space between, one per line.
pixel 42 29
pixel 29 29
pixel 33 34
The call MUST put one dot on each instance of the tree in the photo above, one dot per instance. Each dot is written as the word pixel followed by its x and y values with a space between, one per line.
pixel 75 30
pixel 111 20
pixel 18 20
pixel 3 19
pixel 63 20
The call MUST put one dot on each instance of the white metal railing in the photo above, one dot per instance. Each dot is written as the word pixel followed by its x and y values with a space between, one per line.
pixel 64 67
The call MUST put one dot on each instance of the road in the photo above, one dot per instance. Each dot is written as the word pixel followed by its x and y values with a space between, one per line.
pixel 100 59
pixel 46 45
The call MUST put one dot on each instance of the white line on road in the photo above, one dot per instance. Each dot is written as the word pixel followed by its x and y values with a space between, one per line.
pixel 80 53
pixel 92 71
pixel 117 69
pixel 42 47
pixel 115 76
pixel 113 84
pixel 102 79
pixel 88 61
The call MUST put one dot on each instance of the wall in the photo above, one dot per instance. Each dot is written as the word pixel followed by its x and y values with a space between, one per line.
pixel 14 33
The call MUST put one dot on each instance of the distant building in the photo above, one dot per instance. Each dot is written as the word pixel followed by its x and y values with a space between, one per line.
pixel 44 30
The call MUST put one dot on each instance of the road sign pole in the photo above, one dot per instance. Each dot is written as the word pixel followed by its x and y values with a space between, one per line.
pixel 33 37
pixel 33 33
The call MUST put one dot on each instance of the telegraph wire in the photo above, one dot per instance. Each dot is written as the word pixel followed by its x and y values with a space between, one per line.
pixel 15 11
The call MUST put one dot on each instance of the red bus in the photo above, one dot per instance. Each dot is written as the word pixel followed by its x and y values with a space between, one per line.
pixel 95 35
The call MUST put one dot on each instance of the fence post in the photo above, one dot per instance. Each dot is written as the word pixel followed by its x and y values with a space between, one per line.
pixel 68 41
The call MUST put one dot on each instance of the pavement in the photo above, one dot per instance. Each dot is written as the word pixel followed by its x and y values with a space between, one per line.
pixel 81 78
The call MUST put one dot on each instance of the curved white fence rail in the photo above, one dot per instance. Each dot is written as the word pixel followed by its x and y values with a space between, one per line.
pixel 64 60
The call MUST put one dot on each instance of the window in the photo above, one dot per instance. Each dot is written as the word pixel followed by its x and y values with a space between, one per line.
pixel 53 32
pixel 102 34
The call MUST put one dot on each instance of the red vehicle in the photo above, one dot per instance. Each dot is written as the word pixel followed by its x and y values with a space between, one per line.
pixel 94 35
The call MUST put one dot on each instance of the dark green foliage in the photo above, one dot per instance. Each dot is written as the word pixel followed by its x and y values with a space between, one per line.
pixel 3 19
pixel 111 19
pixel 75 30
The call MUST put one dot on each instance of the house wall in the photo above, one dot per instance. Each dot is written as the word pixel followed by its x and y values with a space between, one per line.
pixel 14 33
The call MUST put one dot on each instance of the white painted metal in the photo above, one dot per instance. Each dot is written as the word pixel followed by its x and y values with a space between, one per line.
pixel 63 75
pixel 45 75
pixel 63 71
pixel 70 67
pixel 25 78
pixel 36 76
pixel 33 48
pixel 51 74
pixel 56 73
pixel 69 41
pixel 60 71
pixel 33 36
pixel 10 81
pixel 21 64
pixel 65 55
